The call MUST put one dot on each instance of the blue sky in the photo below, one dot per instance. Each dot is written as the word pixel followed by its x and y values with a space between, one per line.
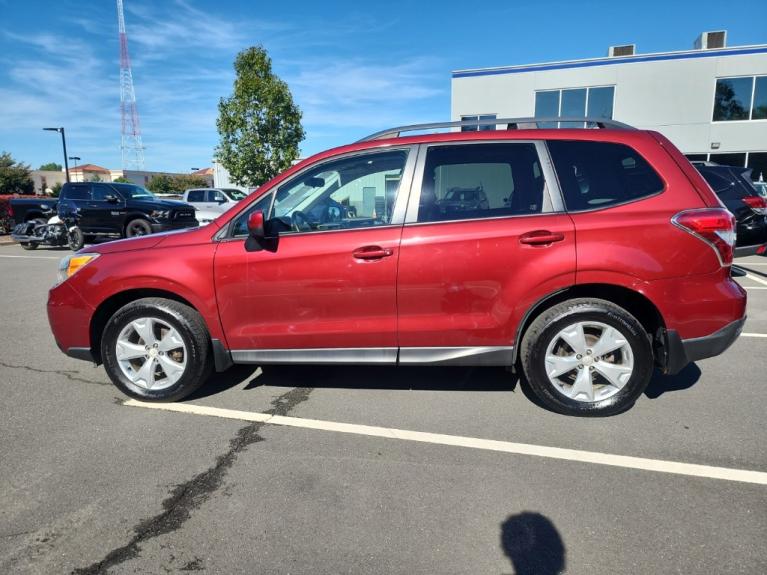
pixel 353 67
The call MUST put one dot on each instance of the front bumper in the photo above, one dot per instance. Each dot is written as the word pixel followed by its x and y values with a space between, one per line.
pixel 680 352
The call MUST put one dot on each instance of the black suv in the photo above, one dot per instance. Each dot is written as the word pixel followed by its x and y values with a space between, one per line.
pixel 739 195
pixel 124 210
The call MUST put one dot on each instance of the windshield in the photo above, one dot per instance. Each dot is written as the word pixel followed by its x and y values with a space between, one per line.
pixel 133 192
pixel 236 195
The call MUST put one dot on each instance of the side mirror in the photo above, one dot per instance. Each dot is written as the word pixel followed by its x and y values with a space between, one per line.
pixel 111 199
pixel 256 224
pixel 222 200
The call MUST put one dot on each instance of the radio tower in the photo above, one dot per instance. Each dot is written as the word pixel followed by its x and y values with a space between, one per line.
pixel 130 135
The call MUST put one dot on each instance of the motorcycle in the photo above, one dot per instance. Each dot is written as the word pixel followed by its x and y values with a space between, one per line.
pixel 55 232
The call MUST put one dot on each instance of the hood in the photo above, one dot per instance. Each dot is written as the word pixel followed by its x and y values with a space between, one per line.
pixel 179 237
pixel 159 204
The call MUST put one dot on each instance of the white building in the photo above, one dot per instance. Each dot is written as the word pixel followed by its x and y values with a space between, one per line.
pixel 710 101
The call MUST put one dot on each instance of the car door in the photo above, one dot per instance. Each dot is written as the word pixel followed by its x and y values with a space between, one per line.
pixel 325 290
pixel 104 211
pixel 469 270
pixel 217 201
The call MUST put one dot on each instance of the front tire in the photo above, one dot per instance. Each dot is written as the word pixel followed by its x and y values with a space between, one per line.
pixel 75 239
pixel 156 349
pixel 587 357
pixel 137 228
pixel 28 245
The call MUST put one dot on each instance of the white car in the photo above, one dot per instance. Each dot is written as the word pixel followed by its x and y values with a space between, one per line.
pixel 212 202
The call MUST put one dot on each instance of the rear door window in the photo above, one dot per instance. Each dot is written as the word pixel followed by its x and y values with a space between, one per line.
pixel 473 181
pixel 78 192
pixel 196 196
pixel 596 175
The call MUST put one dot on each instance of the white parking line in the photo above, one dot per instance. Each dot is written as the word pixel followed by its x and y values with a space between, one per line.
pixel 753 288
pixel 32 257
pixel 658 465
pixel 756 279
pixel 753 335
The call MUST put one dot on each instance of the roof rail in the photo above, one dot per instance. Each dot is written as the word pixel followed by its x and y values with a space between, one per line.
pixel 511 124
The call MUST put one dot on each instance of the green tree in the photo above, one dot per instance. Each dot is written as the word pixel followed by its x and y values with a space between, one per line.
pixel 259 125
pixel 96 178
pixel 184 182
pixel 51 167
pixel 161 184
pixel 14 176
pixel 122 180
pixel 56 190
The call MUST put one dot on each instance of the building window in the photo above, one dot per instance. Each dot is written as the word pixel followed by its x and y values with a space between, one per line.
pixel 757 161
pixel 594 102
pixel 743 98
pixel 479 127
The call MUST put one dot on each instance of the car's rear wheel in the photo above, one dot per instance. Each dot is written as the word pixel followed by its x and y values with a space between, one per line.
pixel 137 227
pixel 156 349
pixel 587 357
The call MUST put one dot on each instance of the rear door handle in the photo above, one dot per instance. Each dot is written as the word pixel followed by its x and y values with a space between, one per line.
pixel 372 253
pixel 541 238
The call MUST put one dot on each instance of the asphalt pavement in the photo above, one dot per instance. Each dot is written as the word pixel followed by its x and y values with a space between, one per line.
pixel 373 470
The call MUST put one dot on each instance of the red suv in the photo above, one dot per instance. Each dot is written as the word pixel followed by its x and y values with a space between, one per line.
pixel 594 256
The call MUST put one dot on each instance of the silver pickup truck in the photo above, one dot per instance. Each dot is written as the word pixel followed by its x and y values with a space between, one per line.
pixel 212 202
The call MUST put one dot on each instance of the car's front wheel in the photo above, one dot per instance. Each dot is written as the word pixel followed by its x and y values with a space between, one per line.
pixel 587 357
pixel 156 349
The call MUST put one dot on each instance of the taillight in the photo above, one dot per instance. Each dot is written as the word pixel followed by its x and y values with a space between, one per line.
pixel 715 226
pixel 756 203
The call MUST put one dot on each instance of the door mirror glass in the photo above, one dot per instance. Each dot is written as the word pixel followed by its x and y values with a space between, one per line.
pixel 256 224
pixel 112 199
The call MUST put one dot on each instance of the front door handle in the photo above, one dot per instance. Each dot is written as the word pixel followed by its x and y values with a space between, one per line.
pixel 372 253
pixel 541 238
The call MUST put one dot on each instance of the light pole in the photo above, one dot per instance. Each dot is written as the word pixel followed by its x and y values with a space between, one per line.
pixel 63 143
pixel 75 159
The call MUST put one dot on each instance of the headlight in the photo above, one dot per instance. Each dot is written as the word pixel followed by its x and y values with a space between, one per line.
pixel 70 265
pixel 160 214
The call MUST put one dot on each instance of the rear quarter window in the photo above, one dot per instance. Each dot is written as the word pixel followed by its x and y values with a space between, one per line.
pixel 596 175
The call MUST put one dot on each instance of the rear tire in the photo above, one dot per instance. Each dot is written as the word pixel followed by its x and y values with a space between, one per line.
pixel 587 357
pixel 156 349
pixel 137 228
pixel 28 245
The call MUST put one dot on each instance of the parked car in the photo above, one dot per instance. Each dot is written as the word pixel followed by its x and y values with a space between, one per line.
pixel 600 255
pixel 761 188
pixel 734 187
pixel 212 202
pixel 34 209
pixel 121 210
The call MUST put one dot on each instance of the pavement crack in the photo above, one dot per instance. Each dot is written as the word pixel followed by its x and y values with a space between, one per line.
pixel 65 373
pixel 190 495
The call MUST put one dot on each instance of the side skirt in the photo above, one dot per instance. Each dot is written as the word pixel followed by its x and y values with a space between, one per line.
pixel 469 356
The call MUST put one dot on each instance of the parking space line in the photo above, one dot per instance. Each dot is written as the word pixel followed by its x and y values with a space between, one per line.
pixel 753 288
pixel 31 257
pixel 628 462
pixel 753 335
pixel 756 279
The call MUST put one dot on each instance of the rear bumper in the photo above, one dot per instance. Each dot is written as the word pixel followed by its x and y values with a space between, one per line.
pixel 758 249
pixel 680 351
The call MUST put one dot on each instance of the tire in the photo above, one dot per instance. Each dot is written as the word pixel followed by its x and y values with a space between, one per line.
pixel 191 338
pixel 615 379
pixel 76 239
pixel 28 245
pixel 137 227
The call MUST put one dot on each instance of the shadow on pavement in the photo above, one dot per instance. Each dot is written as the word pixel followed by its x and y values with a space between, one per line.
pixel 660 384
pixel 387 377
pixel 533 544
